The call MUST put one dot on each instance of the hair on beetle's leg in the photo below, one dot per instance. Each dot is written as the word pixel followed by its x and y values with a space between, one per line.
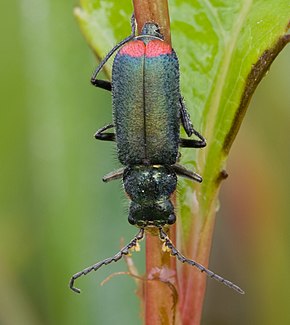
pixel 174 252
pixel 100 135
pixel 124 251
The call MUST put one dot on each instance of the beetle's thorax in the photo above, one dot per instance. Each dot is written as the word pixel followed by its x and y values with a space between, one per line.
pixel 150 188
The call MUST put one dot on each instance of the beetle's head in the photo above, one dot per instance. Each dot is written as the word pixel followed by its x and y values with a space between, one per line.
pixel 159 214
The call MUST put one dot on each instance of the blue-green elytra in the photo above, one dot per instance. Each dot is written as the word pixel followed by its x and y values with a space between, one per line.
pixel 148 110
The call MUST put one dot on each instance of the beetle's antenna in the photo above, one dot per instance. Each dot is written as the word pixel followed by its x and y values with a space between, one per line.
pixel 174 252
pixel 115 48
pixel 124 251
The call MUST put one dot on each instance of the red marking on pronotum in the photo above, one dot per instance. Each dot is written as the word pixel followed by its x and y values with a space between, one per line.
pixel 134 49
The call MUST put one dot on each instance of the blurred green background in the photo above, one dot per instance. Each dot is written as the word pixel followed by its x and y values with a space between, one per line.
pixel 56 215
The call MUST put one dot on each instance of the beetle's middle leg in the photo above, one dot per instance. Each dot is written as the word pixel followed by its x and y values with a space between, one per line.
pixel 105 136
pixel 189 129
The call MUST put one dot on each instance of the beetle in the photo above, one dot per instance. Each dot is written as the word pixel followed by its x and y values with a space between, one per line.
pixel 148 110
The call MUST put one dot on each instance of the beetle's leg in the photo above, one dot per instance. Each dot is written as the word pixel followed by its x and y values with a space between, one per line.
pixel 175 252
pixel 185 118
pixel 116 174
pixel 189 129
pixel 100 135
pixel 103 84
pixel 189 143
pixel 106 84
pixel 182 171
pixel 124 251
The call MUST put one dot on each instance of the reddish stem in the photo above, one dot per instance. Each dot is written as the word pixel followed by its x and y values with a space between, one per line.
pixel 192 281
pixel 159 299
pixel 153 11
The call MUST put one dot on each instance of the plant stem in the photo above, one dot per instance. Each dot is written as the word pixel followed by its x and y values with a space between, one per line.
pixel 153 11
pixel 159 299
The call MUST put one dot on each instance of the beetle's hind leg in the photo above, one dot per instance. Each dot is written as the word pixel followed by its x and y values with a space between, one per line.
pixel 103 83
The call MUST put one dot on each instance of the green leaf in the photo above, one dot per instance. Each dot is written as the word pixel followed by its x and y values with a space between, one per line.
pixel 225 47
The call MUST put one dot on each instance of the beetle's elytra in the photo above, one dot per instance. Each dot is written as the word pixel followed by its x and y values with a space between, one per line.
pixel 148 110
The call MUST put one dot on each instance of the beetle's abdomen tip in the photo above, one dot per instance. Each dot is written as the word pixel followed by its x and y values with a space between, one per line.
pixel 156 48
pixel 134 49
pixel 152 49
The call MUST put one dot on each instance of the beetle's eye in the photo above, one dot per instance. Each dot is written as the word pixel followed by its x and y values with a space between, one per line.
pixel 171 219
